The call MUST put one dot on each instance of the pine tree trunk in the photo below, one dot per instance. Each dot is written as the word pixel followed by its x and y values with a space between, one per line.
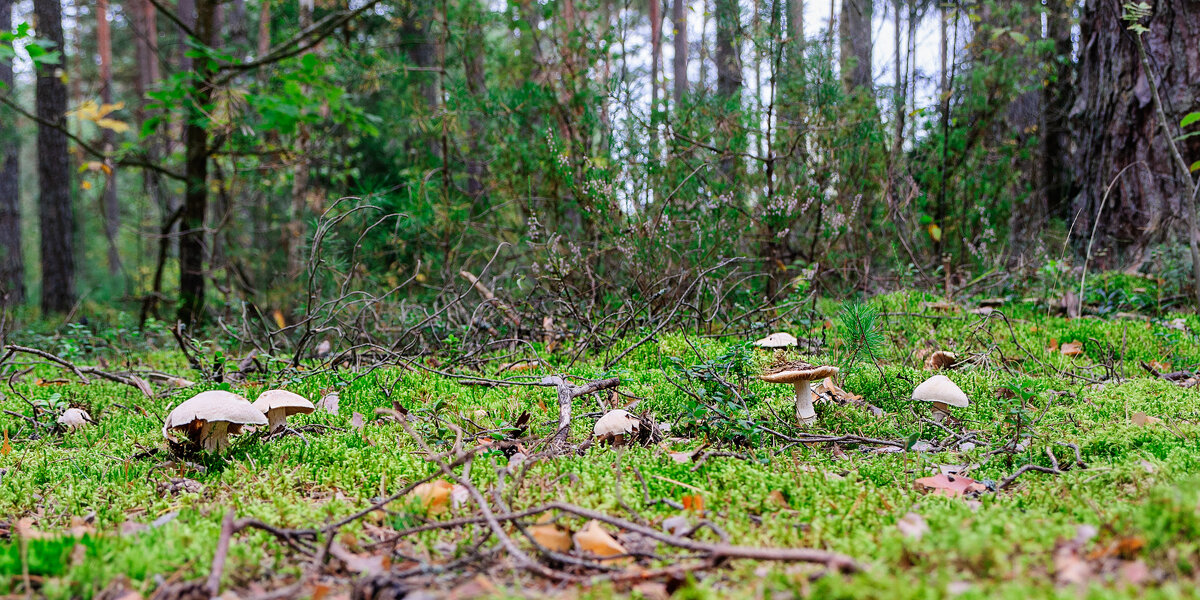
pixel 1115 126
pixel 1057 96
pixel 729 79
pixel 56 214
pixel 300 173
pixel 192 240
pixel 112 210
pixel 856 44
pixel 12 267
pixel 477 87
pixel 679 82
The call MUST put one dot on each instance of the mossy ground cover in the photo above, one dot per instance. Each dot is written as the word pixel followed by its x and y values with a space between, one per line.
pixel 87 497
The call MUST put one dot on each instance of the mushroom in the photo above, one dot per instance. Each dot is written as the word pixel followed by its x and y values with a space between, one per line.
pixel 615 426
pixel 74 418
pixel 942 393
pixel 798 374
pixel 209 418
pixel 778 340
pixel 278 405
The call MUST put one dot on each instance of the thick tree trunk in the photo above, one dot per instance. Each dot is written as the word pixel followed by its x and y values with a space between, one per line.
pixel 12 267
pixel 112 210
pixel 1116 127
pixel 192 246
pixel 729 78
pixel 1056 185
pixel 679 82
pixel 56 214
pixel 264 28
pixel 855 32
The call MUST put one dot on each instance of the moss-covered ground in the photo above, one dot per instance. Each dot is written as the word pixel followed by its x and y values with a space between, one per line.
pixel 79 509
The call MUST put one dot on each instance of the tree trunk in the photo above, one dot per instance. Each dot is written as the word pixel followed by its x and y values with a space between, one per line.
pixel 729 78
pixel 477 87
pixel 195 199
pixel 264 28
pixel 56 214
pixel 856 44
pixel 239 36
pixel 1116 127
pixel 112 210
pixel 12 267
pixel 679 81
pixel 655 52
pixel 186 10
pixel 1056 185
pixel 300 173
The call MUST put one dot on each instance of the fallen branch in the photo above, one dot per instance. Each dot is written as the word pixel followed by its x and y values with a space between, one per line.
pixel 566 393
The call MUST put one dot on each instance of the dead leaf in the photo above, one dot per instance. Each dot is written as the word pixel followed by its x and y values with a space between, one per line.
pixel 912 526
pixel 550 536
pixel 1160 366
pixel 677 525
pixel 329 403
pixel 5 448
pixel 949 485
pixel 279 320
pixel 775 498
pixel 1053 347
pixel 477 587
pixel 142 385
pixel 356 421
pixel 1135 572
pixel 595 540
pixel 366 564
pixel 1072 349
pixel 1141 419
pixel 433 496
pixel 693 502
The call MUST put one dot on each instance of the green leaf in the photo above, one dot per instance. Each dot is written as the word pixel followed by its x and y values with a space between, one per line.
pixel 1195 166
pixel 1189 119
pixel 1019 37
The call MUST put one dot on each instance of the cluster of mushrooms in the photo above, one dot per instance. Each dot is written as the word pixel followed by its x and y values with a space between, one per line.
pixel 938 390
pixel 209 418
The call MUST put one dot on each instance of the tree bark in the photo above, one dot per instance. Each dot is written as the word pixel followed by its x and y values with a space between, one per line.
pixel 1115 126
pixel 729 78
pixel 477 87
pixel 12 267
pixel 679 83
pixel 1056 185
pixel 112 210
pixel 192 240
pixel 300 173
pixel 855 29
pixel 56 214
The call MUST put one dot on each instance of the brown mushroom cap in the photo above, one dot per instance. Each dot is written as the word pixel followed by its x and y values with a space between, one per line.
pixel 797 371
pixel 213 406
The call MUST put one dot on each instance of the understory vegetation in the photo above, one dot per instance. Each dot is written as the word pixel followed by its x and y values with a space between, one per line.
pixel 1101 408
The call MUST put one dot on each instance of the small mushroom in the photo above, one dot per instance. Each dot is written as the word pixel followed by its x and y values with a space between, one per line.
pixel 778 340
pixel 209 418
pixel 74 418
pixel 616 426
pixel 943 394
pixel 278 405
pixel 798 374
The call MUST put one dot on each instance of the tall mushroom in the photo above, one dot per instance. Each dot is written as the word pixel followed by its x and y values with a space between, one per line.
pixel 209 418
pixel 799 374
pixel 943 394
pixel 278 405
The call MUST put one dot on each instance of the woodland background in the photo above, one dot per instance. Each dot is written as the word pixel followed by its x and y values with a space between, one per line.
pixel 287 168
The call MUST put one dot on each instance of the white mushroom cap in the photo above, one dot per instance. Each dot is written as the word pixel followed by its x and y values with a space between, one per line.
pixel 278 405
pixel 614 425
pixel 939 388
pixel 209 418
pixel 74 418
pixel 778 340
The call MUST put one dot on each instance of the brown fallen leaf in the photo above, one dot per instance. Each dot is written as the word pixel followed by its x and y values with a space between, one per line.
pixel 1160 366
pixel 356 421
pixel 949 485
pixel 775 498
pixel 1141 419
pixel 5 448
pixel 551 536
pixel 693 502
pixel 433 496
pixel 912 526
pixel 595 540
pixel 1072 349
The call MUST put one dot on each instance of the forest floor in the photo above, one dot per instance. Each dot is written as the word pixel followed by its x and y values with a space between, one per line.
pixel 1111 510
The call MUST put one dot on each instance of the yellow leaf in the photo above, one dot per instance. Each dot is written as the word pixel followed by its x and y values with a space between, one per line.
pixel 594 539
pixel 935 232
pixel 433 496
pixel 279 320
pixel 113 124
pixel 87 185
pixel 552 537
pixel 694 503
pixel 107 169
pixel 5 448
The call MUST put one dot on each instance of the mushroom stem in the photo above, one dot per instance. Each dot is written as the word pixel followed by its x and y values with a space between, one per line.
pixel 214 435
pixel 804 405
pixel 940 411
pixel 276 419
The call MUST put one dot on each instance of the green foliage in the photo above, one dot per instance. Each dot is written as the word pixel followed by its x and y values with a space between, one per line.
pixel 859 334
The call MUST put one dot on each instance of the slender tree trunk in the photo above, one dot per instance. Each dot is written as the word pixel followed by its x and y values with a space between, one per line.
pixel 264 28
pixel 899 102
pixel 237 26
pixel 192 240
pixel 679 34
pixel 12 266
pixel 795 33
pixel 300 174
pixel 473 56
pixel 855 30
pixel 186 11
pixel 112 210
pixel 1057 98
pixel 56 214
